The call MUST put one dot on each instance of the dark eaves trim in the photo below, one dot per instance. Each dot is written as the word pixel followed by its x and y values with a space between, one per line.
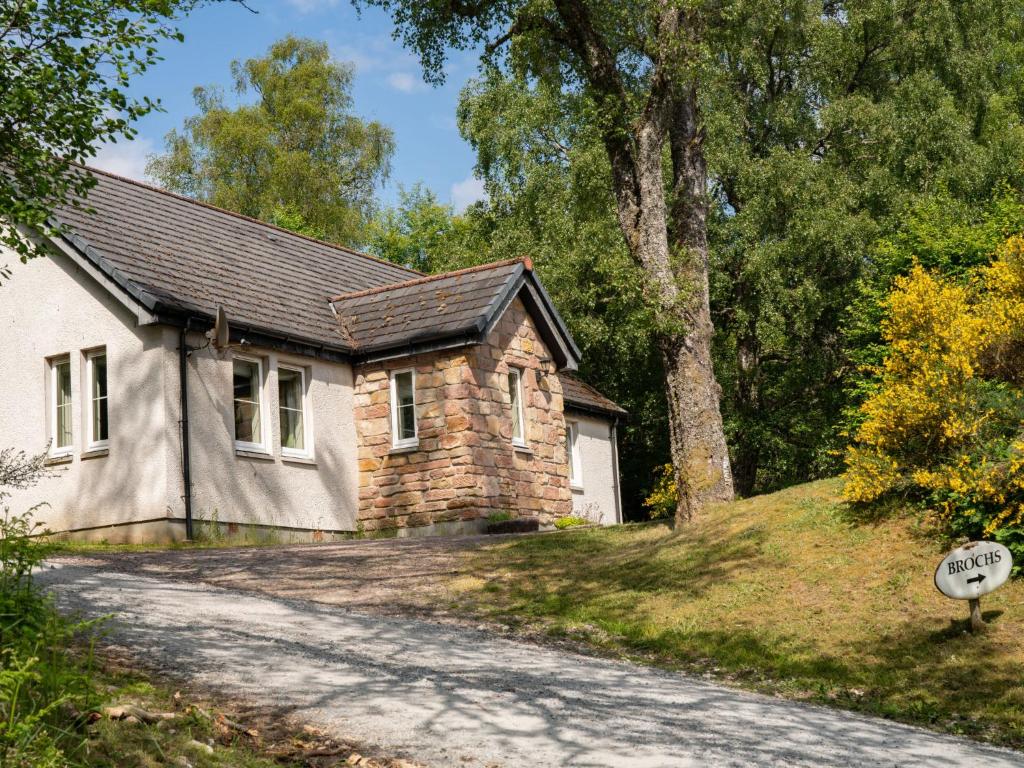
pixel 255 335
pixel 596 410
pixel 419 347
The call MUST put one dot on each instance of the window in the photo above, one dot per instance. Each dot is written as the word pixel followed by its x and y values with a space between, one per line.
pixel 572 433
pixel 403 409
pixel 291 393
pixel 248 376
pixel 515 392
pixel 97 414
pixel 60 406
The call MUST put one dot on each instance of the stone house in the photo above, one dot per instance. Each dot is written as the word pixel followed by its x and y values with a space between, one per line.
pixel 183 363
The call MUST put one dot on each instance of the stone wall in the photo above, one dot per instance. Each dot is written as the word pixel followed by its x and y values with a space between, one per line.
pixel 465 466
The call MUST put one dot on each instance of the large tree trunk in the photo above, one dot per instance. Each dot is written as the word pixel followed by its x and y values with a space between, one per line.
pixel 674 259
pixel 699 453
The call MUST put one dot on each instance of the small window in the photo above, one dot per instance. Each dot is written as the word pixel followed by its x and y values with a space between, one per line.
pixel 60 406
pixel 98 419
pixel 291 385
pixel 403 408
pixel 248 376
pixel 572 432
pixel 515 392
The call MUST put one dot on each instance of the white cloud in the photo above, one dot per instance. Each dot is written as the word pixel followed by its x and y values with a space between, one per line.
pixel 311 6
pixel 404 82
pixel 125 158
pixel 373 53
pixel 466 192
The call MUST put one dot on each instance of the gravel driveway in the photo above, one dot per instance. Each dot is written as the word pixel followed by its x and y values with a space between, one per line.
pixel 448 695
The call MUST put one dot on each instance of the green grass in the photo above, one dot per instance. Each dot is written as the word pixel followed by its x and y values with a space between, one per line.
pixel 785 593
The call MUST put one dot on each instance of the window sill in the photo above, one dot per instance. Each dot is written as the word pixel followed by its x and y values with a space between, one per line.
pixel 576 488
pixel 411 448
pixel 247 453
pixel 95 453
pixel 59 458
pixel 522 448
pixel 307 460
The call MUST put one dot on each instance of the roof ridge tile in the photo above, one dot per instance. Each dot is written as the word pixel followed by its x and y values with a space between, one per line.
pixel 525 261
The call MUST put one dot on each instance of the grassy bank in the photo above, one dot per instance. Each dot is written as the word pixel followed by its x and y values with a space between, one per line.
pixel 784 593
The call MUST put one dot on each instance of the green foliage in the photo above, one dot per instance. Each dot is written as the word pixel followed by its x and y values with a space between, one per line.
pixel 296 157
pixel 424 234
pixel 827 131
pixel 570 521
pixel 64 71
pixel 41 686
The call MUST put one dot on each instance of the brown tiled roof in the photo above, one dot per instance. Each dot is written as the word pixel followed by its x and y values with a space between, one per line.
pixel 447 305
pixel 583 396
pixel 190 257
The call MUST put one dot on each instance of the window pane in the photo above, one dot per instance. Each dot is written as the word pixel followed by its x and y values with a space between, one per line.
pixel 406 405
pixel 62 393
pixel 572 451
pixel 514 394
pixel 98 387
pixel 290 384
pixel 99 376
pixel 290 396
pixel 247 401
pixel 99 418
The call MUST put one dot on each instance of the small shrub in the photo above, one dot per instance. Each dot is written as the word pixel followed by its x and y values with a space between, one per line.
pixel 665 497
pixel 570 521
pixel 41 685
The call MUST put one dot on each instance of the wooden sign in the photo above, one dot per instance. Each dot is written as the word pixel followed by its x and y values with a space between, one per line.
pixel 973 570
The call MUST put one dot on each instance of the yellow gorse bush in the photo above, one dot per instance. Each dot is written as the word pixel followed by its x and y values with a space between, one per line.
pixel 663 499
pixel 944 424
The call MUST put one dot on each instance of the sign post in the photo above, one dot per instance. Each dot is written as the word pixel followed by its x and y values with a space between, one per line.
pixel 971 571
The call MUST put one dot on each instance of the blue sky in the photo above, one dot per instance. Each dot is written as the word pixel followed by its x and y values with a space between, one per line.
pixel 388 86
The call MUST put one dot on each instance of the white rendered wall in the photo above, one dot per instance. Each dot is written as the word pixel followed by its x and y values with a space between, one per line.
pixel 267 489
pixel 597 493
pixel 49 307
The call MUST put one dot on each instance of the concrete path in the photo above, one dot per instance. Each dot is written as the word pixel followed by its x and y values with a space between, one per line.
pixel 452 696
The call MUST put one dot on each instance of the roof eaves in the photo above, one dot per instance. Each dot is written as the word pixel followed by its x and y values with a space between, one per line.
pixel 559 322
pixel 577 405
pixel 492 314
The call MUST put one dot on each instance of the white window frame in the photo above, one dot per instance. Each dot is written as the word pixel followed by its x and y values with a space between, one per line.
pixel 409 442
pixel 242 445
pixel 60 450
pixel 306 451
pixel 92 444
pixel 517 403
pixel 572 436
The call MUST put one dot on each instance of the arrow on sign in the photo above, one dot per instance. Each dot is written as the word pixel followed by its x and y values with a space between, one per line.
pixel 977 579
